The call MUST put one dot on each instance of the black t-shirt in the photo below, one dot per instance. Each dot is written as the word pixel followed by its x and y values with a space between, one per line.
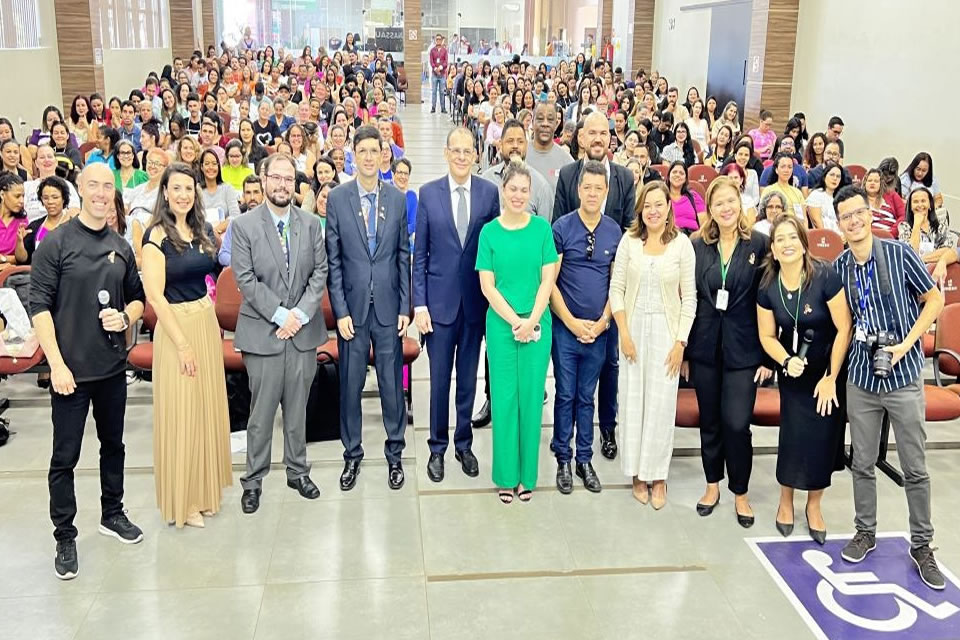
pixel 186 273
pixel 71 265
pixel 266 134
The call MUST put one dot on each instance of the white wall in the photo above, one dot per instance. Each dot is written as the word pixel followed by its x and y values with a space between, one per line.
pixel 22 95
pixel 890 74
pixel 126 69
pixel 681 43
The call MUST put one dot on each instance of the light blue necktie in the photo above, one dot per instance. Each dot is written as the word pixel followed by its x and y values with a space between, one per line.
pixel 372 222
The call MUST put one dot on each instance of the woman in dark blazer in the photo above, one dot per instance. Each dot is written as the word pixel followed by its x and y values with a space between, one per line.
pixel 724 351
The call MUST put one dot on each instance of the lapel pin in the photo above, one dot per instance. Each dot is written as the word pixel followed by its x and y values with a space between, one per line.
pixel 753 258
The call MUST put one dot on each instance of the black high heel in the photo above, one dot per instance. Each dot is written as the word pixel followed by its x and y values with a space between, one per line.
pixel 784 528
pixel 818 535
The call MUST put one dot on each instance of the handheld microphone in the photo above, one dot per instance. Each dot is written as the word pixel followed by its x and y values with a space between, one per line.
pixel 808 336
pixel 116 340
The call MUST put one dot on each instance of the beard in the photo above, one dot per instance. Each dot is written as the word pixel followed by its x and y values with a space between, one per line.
pixel 279 198
pixel 601 151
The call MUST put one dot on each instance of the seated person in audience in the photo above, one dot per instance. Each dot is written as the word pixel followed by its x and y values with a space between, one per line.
pixel 46 167
pixel 42 135
pixel 885 204
pixel 234 172
pixel 220 200
pixel 280 117
pixel 210 135
pixel 786 144
pixel 834 129
pixel 678 111
pixel 128 174
pixel 150 138
pixel 736 173
pixel 129 130
pixel 831 152
pixel 919 173
pixel 689 210
pixel 681 149
pixel 924 229
pixel 54 194
pixel 663 134
pixel 386 134
pixel 796 203
pixel 721 148
pixel 772 205
pixel 729 117
pixel 764 136
pixel 820 201
pixel 195 118
pixel 13 221
pixel 10 158
pixel 337 140
pixel 742 156
pixel 252 198
pixel 264 127
pixel 144 113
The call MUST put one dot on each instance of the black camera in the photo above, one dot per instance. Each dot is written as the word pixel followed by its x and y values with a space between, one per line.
pixel 882 359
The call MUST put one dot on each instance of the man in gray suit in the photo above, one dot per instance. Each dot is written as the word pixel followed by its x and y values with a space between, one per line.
pixel 369 253
pixel 280 264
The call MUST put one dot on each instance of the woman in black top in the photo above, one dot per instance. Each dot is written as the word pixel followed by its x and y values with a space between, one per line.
pixel 801 302
pixel 191 440
pixel 54 194
pixel 724 350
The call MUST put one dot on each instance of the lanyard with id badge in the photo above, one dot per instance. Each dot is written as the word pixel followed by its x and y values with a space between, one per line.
pixel 863 295
pixel 723 296
pixel 796 315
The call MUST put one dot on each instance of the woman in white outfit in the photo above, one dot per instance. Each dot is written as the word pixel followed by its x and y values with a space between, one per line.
pixel 653 296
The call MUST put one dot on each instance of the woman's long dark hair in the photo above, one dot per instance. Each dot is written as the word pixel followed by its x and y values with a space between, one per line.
pixel 923 156
pixel 931 213
pixel 121 211
pixel 689 155
pixel 809 156
pixel 771 267
pixel 164 218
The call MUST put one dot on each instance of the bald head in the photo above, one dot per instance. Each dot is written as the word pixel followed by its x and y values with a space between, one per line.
pixel 96 187
pixel 596 136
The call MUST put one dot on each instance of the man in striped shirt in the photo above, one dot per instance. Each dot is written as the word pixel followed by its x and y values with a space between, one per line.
pixel 888 290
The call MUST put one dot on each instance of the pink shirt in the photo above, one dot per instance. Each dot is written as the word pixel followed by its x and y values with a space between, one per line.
pixel 685 215
pixel 8 235
pixel 763 142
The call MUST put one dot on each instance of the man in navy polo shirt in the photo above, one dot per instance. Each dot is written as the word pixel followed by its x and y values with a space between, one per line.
pixel 890 293
pixel 586 243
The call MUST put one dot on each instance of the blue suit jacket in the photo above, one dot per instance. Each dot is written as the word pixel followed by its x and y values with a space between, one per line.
pixel 444 273
pixel 353 273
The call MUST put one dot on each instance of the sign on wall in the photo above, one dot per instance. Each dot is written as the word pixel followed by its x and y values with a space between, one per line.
pixel 389 38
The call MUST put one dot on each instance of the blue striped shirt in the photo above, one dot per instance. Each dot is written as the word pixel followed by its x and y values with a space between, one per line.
pixel 896 313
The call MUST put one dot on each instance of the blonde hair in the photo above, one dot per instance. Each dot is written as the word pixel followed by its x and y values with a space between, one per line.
pixel 711 230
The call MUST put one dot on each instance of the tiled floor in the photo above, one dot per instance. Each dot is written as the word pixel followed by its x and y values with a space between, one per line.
pixel 430 561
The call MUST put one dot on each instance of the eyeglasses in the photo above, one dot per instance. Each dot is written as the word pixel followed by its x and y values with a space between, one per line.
pixel 154 164
pixel 848 216
pixel 401 174
pixel 287 180
pixel 591 244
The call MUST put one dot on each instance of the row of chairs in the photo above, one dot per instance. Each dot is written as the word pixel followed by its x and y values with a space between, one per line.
pixel 700 175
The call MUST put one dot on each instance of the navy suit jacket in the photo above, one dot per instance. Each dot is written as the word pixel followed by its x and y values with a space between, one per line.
pixel 353 273
pixel 444 273
pixel 621 197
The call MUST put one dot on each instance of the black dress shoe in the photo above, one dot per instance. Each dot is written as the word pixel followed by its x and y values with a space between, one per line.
pixel 482 417
pixel 305 487
pixel 608 445
pixel 744 521
pixel 817 535
pixel 250 500
pixel 395 475
pixel 435 467
pixel 784 528
pixel 564 478
pixel 348 479
pixel 590 480
pixel 706 509
pixel 468 462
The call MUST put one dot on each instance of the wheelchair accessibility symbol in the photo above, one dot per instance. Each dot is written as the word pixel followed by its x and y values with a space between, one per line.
pixel 881 597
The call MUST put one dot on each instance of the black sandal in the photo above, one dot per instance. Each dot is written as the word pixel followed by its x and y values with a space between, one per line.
pixel 525 495
pixel 506 496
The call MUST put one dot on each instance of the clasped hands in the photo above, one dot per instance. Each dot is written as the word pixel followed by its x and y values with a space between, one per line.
pixel 587 331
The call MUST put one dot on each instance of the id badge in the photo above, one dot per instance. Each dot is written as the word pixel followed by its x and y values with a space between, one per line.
pixel 860 335
pixel 723 299
pixel 795 340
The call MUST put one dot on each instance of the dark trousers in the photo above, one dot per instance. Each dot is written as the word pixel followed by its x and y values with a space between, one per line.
pixel 609 375
pixel 725 398
pixel 576 371
pixel 109 399
pixel 388 361
pixel 459 341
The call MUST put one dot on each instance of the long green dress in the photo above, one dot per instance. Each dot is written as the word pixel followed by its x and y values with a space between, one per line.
pixel 518 371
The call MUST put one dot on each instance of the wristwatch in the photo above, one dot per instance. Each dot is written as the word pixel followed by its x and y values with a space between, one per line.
pixel 126 320
pixel 783 365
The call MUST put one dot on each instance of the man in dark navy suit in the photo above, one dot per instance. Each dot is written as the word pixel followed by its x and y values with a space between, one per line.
pixel 368 253
pixel 448 304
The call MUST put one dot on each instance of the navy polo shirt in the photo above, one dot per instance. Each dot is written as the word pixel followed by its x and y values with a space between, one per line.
pixel 896 313
pixel 584 281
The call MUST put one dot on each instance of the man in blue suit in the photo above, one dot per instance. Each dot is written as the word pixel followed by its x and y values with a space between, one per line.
pixel 448 305
pixel 368 254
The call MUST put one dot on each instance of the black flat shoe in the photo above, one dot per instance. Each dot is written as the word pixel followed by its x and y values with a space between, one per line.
pixel 482 417
pixel 744 521
pixel 395 476
pixel 468 462
pixel 250 500
pixel 818 535
pixel 305 487
pixel 784 528
pixel 435 467
pixel 706 509
pixel 348 479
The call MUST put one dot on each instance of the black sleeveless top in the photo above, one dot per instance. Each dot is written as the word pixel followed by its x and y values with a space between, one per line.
pixel 187 271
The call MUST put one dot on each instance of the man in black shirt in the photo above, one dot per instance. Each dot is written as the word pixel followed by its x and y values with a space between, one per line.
pixel 83 340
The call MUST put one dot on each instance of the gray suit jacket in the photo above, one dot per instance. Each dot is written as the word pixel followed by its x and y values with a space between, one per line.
pixel 262 277
pixel 355 275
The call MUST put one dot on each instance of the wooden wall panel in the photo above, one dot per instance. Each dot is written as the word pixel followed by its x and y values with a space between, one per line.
pixel 413 47
pixel 181 28
pixel 605 28
pixel 209 37
pixel 773 39
pixel 641 55
pixel 78 23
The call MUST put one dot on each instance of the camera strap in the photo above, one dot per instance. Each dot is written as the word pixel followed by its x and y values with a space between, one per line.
pixel 882 270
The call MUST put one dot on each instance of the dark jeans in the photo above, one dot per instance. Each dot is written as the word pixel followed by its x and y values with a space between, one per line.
pixel 109 399
pixel 576 370
pixel 609 381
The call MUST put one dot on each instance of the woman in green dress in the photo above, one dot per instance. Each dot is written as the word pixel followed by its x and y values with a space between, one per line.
pixel 517 262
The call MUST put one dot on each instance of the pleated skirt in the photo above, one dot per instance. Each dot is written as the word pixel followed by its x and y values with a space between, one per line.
pixel 191 424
